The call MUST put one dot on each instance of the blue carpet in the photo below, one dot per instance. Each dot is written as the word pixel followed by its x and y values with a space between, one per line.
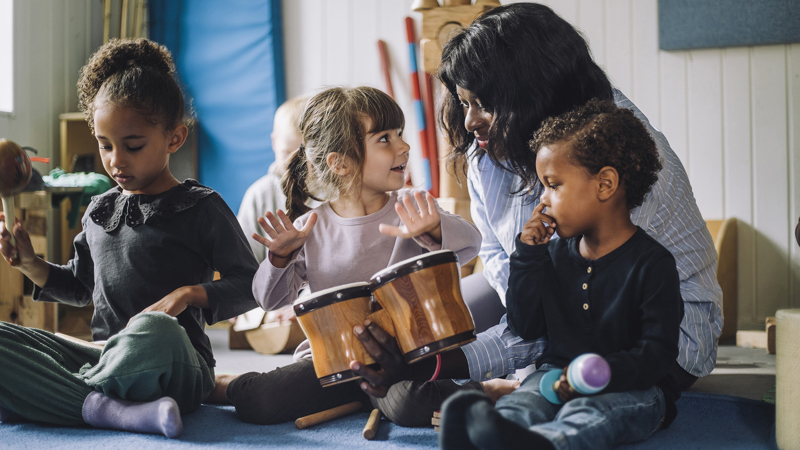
pixel 704 421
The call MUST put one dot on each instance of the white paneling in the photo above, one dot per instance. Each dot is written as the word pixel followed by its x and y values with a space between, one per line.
pixel 674 102
pixel 567 9
pixel 768 69
pixel 793 75
pixel 618 57
pixel 365 65
pixel 52 42
pixel 304 53
pixel 738 182
pixel 704 74
pixel 645 62
pixel 591 23
pixel 337 42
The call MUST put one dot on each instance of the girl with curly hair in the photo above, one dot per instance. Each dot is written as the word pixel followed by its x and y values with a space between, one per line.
pixel 146 258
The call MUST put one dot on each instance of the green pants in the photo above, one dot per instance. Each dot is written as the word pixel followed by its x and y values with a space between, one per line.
pixel 45 378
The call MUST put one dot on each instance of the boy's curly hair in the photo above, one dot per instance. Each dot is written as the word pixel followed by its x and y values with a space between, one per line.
pixel 600 134
pixel 135 73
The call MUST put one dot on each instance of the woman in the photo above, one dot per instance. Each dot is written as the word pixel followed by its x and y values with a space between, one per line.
pixel 509 70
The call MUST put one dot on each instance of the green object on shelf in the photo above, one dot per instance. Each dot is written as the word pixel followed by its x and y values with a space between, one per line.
pixel 92 184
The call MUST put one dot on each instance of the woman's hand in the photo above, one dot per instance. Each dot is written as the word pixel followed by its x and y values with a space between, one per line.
pixel 417 219
pixel 534 231
pixel 383 348
pixel 284 238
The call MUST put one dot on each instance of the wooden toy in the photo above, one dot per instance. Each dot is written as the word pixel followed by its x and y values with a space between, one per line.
pixel 327 415
pixel 587 374
pixel 328 318
pixel 423 298
pixel 371 428
pixel 15 173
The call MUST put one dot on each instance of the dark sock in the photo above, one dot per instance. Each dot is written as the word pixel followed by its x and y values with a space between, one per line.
pixel 469 420
pixel 8 416
pixel 160 416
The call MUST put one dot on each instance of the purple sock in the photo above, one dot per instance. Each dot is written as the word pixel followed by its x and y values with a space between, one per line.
pixel 8 416
pixel 160 416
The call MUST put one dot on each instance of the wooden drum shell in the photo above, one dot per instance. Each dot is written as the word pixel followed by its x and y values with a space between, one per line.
pixel 329 324
pixel 426 306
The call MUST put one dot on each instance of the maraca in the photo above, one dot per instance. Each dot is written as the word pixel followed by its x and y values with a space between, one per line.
pixel 588 374
pixel 15 173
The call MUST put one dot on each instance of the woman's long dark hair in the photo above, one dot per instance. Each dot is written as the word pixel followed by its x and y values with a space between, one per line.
pixel 525 63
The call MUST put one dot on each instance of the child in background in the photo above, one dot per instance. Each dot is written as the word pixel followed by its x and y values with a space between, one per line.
pixel 353 155
pixel 146 258
pixel 266 194
pixel 604 287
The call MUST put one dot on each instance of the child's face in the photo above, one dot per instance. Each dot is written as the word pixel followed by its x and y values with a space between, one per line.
pixel 570 191
pixel 385 162
pixel 135 153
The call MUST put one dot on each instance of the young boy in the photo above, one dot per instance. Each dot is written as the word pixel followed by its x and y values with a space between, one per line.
pixel 604 287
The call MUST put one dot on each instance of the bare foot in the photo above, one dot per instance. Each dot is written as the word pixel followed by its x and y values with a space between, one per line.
pixel 218 395
pixel 499 387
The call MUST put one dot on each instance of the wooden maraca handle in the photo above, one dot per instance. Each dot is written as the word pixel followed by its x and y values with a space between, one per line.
pixel 8 210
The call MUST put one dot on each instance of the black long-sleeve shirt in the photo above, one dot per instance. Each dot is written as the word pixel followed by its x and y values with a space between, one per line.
pixel 625 306
pixel 136 249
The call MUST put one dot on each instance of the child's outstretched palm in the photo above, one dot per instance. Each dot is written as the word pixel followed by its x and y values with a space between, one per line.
pixel 417 219
pixel 284 238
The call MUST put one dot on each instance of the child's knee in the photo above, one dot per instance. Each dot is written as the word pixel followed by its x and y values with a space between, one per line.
pixel 159 326
pixel 255 401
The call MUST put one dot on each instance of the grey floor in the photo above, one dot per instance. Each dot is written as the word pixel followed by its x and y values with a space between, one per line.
pixel 741 372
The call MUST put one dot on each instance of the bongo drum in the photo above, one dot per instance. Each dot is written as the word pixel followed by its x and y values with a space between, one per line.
pixel 423 297
pixel 327 318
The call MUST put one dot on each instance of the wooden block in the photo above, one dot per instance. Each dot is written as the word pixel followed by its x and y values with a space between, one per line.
pixel 431 55
pixel 456 206
pixel 433 20
pixel 751 339
pixel 275 337
pixel 771 327
pixel 237 340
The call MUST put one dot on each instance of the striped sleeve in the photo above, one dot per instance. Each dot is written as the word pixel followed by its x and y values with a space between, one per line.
pixel 498 351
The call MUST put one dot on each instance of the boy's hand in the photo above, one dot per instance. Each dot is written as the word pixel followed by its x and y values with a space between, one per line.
pixel 417 219
pixel 564 390
pixel 534 231
pixel 20 255
pixel 284 238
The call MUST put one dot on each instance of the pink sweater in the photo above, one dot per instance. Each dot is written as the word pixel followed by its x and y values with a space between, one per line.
pixel 341 251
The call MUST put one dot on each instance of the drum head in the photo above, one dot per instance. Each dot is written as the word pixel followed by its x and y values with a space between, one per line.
pixel 326 297
pixel 412 265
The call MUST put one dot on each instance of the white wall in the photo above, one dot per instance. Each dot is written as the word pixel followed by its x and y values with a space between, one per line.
pixel 52 41
pixel 732 115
